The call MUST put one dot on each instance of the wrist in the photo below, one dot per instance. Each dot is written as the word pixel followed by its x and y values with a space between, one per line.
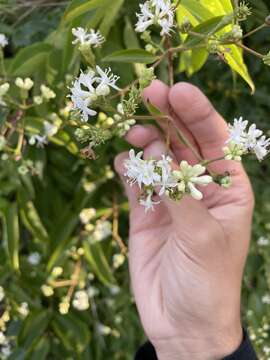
pixel 208 346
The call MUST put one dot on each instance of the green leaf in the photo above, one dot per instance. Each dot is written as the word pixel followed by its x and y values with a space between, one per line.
pixel 112 8
pixel 153 109
pixel 72 331
pixel 31 219
pixel 41 350
pixel 29 59
pixel 33 328
pixel 80 7
pixel 234 57
pixel 98 263
pixel 131 56
pixel 11 233
pixel 130 37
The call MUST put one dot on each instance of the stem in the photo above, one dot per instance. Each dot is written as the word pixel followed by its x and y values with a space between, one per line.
pixel 170 62
pixel 251 51
pixel 254 30
pixel 2 64
pixel 207 162
pixel 115 232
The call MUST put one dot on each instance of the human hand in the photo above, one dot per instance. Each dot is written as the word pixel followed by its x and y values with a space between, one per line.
pixel 187 257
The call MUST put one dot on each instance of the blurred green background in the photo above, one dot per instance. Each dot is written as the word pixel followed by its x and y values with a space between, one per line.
pixel 47 207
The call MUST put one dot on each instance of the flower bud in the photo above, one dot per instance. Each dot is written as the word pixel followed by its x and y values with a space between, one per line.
pixel 266 59
pixel 242 11
pixel 267 20
pixel 25 84
pixel 4 89
pixel 47 93
pixel 38 100
pixel 102 90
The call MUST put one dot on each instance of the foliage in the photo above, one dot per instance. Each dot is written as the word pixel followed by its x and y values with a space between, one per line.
pixel 64 216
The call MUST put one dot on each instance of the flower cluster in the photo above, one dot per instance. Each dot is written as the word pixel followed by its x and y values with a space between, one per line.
pixel 156 12
pixel 158 176
pixel 92 38
pixel 41 140
pixel 88 87
pixel 244 139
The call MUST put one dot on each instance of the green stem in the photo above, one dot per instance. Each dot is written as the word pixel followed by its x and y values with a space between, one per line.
pixel 251 51
pixel 254 30
pixel 2 64
pixel 208 162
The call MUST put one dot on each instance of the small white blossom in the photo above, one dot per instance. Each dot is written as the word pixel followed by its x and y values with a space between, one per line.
pixel 83 37
pixel 167 179
pixel 242 140
pixel 156 12
pixel 50 129
pixel 106 80
pixel 104 330
pixel 34 258
pixel 102 230
pixel 47 290
pixel 87 214
pixel 81 300
pixel 25 84
pixel 141 171
pixel 3 90
pixel 118 260
pixel 23 309
pixel 5 351
pixel 3 40
pixel 189 176
pixel 2 293
pixel 47 93
pixel 38 100
pixel 266 299
pixel 148 202
pixel 57 271
pixel 39 140
pixel 263 241
pixel 3 339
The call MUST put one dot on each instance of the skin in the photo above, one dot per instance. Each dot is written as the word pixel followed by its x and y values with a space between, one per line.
pixel 187 257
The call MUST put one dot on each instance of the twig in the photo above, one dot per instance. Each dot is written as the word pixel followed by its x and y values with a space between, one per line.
pixel 115 226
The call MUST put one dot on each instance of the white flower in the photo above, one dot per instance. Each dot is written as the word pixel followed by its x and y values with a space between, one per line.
pixel 87 214
pixel 104 330
pixel 167 179
pixel 106 80
pixel 261 147
pixel 188 176
pixel 118 260
pixel 237 131
pixel 2 293
pixel 242 141
pixel 102 230
pixel 25 84
pixel 82 37
pixel 266 299
pixel 38 100
pixel 3 90
pixel 156 12
pixel 83 97
pixel 5 351
pixel 3 339
pixel 38 140
pixel 263 241
pixel 50 129
pixel 140 171
pixel 23 309
pixel 47 290
pixel 81 300
pixel 3 40
pixel 233 151
pixel 47 93
pixel 34 258
pixel 148 202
